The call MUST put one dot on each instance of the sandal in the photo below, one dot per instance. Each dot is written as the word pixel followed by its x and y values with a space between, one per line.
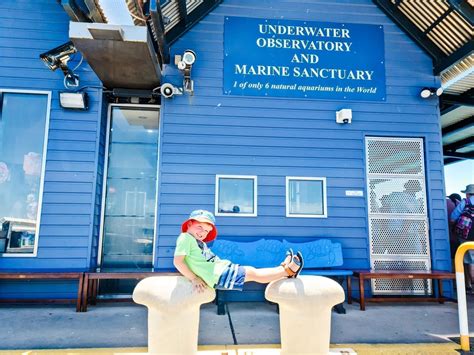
pixel 296 260
pixel 300 256
pixel 288 257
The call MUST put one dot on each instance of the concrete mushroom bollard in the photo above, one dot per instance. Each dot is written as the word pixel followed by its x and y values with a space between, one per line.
pixel 173 313
pixel 305 312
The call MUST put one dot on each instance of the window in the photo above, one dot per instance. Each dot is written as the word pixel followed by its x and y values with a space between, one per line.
pixel 24 118
pixel 236 195
pixel 306 197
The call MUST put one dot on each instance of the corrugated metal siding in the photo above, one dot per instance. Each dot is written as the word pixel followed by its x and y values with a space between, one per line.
pixel 28 28
pixel 209 134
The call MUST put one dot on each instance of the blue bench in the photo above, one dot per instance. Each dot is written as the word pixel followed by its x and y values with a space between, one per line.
pixel 321 257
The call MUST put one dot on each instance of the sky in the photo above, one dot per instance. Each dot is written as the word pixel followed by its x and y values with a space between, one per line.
pixel 458 175
pixel 116 12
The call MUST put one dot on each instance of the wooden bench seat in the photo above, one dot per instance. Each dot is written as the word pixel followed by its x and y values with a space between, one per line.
pixel 89 291
pixel 45 275
pixel 321 257
pixel 363 275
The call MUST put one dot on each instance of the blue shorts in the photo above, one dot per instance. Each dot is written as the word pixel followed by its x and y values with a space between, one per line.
pixel 232 278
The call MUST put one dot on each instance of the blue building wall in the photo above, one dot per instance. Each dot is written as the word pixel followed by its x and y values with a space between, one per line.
pixel 28 28
pixel 211 133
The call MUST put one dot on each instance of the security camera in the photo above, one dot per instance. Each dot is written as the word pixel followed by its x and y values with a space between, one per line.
pixel 168 90
pixel 59 56
pixel 189 57
pixel 426 93
pixel 344 116
pixel 185 63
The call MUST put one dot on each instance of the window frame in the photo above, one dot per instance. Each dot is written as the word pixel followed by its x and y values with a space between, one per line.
pixel 43 168
pixel 216 195
pixel 105 174
pixel 287 197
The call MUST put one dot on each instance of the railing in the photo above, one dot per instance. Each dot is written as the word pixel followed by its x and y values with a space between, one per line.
pixel 461 291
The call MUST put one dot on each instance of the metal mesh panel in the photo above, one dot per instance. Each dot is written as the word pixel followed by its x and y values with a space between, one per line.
pixel 394 156
pixel 399 236
pixel 417 265
pixel 398 195
pixel 401 287
pixel 398 223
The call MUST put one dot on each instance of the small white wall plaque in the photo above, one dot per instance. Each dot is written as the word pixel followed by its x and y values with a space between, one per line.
pixel 355 193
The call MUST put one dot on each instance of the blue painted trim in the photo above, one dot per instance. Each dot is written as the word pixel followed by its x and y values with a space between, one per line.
pixel 164 103
pixel 96 176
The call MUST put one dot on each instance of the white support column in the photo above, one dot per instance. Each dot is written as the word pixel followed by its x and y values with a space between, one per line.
pixel 173 313
pixel 305 312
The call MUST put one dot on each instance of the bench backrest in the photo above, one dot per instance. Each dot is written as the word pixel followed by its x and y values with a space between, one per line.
pixel 319 253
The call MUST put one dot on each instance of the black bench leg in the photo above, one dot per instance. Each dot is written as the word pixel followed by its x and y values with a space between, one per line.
pixel 220 303
pixel 339 308
pixel 221 308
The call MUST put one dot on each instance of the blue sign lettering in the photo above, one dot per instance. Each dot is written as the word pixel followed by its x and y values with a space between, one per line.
pixel 315 60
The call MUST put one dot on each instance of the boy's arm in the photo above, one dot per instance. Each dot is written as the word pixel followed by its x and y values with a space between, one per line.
pixel 198 284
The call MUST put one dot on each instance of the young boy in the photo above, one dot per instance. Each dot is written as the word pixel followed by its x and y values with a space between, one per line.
pixel 195 261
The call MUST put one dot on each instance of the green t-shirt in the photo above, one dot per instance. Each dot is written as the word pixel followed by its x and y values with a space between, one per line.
pixel 200 259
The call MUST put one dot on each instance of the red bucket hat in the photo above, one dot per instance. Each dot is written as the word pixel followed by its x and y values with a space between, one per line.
pixel 205 217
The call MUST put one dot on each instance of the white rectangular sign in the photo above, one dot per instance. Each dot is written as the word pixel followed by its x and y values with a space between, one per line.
pixel 355 193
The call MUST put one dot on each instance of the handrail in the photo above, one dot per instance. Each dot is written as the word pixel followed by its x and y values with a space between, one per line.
pixel 461 292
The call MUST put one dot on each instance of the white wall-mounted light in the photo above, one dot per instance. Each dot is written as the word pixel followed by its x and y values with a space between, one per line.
pixel 344 116
pixel 426 92
pixel 73 100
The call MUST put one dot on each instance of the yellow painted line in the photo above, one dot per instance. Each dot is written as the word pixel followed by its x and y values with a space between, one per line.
pixel 405 349
pixel 265 349
pixel 97 351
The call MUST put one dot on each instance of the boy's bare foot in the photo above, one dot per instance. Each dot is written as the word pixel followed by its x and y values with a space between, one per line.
pixel 288 258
